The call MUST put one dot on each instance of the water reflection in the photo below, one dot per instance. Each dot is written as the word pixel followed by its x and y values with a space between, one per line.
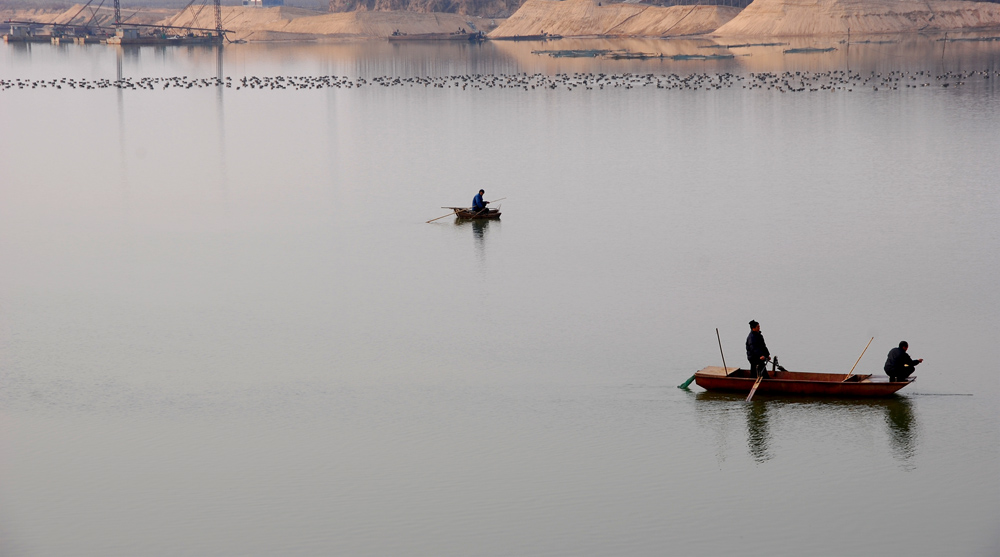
pixel 480 229
pixel 718 411
pixel 860 54
pixel 899 420
pixel 20 49
pixel 220 74
pixel 932 52
pixel 758 433
pixel 120 95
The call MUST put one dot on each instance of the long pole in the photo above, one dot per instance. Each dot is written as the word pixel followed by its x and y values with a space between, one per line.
pixel 118 14
pixel 448 215
pixel 724 367
pixel 78 12
pixel 859 359
pixel 486 209
pixel 456 210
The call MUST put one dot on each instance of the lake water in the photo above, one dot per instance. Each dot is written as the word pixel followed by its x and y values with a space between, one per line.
pixel 227 329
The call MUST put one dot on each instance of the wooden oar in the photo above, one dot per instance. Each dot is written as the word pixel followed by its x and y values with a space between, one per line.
pixel 453 211
pixel 754 389
pixel 859 359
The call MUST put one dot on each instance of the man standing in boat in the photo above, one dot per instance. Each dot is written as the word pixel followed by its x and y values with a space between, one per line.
pixel 478 205
pixel 899 365
pixel 757 353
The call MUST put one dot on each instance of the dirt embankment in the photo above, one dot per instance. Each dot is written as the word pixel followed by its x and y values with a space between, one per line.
pixel 19 14
pixel 79 14
pixel 575 18
pixel 764 18
pixel 483 8
pixel 570 18
pixel 296 23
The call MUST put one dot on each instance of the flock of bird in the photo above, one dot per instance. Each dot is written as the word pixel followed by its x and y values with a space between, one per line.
pixel 785 82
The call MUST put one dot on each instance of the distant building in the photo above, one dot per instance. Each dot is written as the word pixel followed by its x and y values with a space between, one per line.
pixel 263 3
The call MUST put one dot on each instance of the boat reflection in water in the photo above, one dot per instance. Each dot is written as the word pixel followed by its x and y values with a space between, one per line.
pixel 899 420
pixel 764 415
pixel 758 436
pixel 480 229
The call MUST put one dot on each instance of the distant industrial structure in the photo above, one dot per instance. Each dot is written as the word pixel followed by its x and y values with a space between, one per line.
pixel 263 3
pixel 121 32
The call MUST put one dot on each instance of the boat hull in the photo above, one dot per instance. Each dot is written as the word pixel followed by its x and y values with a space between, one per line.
pixel 466 37
pixel 797 383
pixel 468 214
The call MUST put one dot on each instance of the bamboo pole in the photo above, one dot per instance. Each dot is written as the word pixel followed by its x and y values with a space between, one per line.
pixel 724 367
pixel 453 211
pixel 859 359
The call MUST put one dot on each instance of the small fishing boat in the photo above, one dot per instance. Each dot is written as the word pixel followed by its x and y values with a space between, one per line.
pixel 460 36
pixel 465 213
pixel 542 37
pixel 803 383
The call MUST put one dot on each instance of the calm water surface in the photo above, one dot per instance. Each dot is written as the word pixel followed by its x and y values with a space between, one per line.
pixel 226 329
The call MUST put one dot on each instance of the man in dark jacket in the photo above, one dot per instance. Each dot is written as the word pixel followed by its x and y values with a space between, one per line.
pixel 757 353
pixel 899 365
pixel 478 205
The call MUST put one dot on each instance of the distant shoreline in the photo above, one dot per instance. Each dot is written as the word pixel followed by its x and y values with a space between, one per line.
pixel 538 19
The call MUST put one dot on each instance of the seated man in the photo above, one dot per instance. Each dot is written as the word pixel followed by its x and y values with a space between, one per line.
pixel 899 365
pixel 478 205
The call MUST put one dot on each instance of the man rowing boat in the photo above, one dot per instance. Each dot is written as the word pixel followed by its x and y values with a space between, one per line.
pixel 757 353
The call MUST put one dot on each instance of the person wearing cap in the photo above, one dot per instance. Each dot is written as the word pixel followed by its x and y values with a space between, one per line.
pixel 478 205
pixel 899 365
pixel 757 353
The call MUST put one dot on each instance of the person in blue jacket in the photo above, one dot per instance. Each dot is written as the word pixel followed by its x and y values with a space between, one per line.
pixel 757 353
pixel 898 364
pixel 478 205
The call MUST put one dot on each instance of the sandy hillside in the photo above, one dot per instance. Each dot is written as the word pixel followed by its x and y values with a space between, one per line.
pixel 80 15
pixel 285 22
pixel 834 17
pixel 24 15
pixel 483 8
pixel 574 18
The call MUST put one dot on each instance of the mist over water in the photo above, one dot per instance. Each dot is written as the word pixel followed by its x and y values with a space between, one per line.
pixel 226 329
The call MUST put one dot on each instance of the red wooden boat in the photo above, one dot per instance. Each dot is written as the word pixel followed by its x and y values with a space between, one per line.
pixel 737 380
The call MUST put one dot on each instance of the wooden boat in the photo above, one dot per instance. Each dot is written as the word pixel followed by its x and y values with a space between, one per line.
pixel 465 213
pixel 467 37
pixel 803 383
pixel 541 37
